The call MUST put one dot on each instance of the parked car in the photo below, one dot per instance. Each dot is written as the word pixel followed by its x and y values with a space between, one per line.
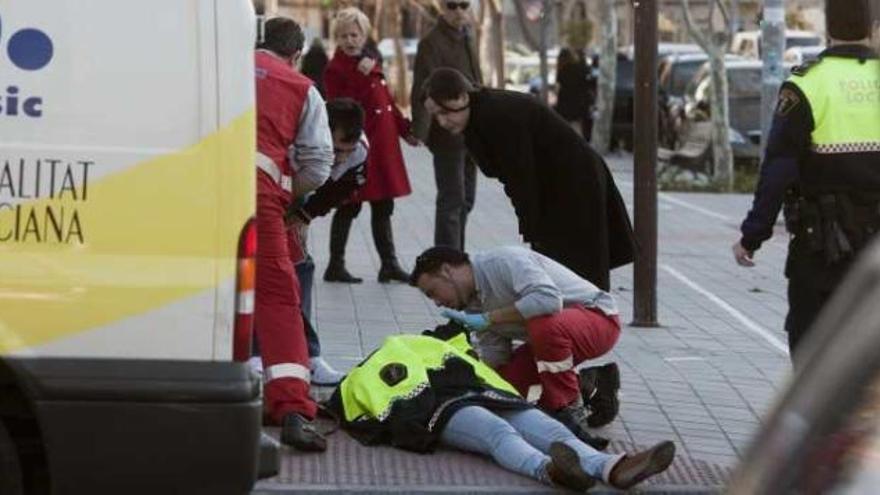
pixel 524 72
pixel 748 43
pixel 823 435
pixel 798 55
pixel 744 104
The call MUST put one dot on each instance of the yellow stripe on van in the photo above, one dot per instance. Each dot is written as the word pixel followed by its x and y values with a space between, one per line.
pixel 134 241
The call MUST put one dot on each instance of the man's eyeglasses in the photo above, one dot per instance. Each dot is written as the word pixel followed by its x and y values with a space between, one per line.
pixel 457 5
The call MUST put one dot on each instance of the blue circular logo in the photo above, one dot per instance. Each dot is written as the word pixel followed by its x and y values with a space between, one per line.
pixel 30 49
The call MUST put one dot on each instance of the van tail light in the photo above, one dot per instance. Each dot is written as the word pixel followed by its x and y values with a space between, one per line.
pixel 245 277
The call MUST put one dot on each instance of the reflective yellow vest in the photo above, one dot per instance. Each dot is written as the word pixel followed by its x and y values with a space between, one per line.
pixel 844 97
pixel 365 394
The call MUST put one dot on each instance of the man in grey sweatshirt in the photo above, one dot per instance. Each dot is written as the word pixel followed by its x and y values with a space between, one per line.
pixel 511 294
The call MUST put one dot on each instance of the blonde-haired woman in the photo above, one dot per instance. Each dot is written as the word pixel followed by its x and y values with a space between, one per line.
pixel 355 74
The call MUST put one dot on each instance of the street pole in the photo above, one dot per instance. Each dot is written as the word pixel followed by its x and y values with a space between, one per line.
pixel 645 157
pixel 546 7
pixel 772 47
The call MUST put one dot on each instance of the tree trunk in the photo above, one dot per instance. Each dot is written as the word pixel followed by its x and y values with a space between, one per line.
pixel 607 74
pixel 483 29
pixel 715 48
pixel 400 62
pixel 525 27
pixel 496 16
pixel 377 19
pixel 722 153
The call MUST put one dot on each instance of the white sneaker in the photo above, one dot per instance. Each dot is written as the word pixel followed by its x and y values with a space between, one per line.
pixel 256 364
pixel 323 373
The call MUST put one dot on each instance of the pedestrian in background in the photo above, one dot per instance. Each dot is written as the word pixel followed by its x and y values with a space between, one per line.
pixel 822 162
pixel 575 98
pixel 294 155
pixel 355 74
pixel 449 44
pixel 314 62
pixel 564 196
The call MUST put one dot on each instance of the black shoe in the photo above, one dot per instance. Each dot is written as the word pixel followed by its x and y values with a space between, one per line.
pixel 599 387
pixel 301 434
pixel 635 468
pixel 565 469
pixel 574 417
pixel 391 271
pixel 336 272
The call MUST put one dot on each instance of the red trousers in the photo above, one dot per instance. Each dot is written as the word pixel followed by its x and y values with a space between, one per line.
pixel 557 343
pixel 277 316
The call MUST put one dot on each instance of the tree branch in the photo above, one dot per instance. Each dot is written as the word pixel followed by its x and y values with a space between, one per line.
pixel 533 43
pixel 695 33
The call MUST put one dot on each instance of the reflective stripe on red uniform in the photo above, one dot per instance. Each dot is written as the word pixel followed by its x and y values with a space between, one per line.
pixel 543 369
pixel 281 95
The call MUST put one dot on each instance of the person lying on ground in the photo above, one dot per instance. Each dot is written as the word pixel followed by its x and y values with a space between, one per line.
pixel 417 392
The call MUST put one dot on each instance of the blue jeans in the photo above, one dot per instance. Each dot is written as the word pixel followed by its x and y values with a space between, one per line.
pixel 518 440
pixel 305 272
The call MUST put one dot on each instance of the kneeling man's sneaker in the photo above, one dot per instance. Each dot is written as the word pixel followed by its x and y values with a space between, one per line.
pixel 635 468
pixel 574 417
pixel 599 387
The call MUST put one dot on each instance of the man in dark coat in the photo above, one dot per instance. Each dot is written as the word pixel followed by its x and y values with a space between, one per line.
pixel 562 191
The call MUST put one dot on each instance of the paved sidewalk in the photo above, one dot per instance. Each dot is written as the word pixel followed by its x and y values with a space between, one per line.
pixel 703 379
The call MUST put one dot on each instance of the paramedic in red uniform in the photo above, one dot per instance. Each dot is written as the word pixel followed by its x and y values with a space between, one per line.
pixel 294 156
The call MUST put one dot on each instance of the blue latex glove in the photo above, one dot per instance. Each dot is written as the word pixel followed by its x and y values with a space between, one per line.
pixel 474 321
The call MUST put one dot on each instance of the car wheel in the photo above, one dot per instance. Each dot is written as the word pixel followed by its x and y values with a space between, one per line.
pixel 10 465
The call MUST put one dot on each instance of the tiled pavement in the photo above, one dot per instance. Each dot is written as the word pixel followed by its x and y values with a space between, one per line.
pixel 703 379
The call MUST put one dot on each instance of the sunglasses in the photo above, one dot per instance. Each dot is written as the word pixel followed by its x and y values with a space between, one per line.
pixel 457 5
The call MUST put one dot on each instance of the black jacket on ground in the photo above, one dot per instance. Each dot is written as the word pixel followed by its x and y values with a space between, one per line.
pixel 562 191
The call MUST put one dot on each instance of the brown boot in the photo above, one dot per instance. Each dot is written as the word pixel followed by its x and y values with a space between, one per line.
pixel 635 468
pixel 565 469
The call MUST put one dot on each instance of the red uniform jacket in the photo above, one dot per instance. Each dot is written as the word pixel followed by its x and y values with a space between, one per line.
pixel 384 125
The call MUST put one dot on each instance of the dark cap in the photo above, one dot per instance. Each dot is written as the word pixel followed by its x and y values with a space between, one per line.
pixel 432 259
pixel 848 20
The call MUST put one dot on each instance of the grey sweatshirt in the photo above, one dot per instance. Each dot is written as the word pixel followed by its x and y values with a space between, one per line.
pixel 535 284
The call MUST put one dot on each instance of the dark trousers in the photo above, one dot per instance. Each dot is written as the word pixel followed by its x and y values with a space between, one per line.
pixel 305 271
pixel 456 178
pixel 811 282
pixel 380 223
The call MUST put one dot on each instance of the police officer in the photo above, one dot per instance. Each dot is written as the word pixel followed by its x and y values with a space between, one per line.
pixel 822 162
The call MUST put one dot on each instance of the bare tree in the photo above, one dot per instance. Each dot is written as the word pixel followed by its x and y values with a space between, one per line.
pixel 714 43
pixel 494 42
pixel 601 139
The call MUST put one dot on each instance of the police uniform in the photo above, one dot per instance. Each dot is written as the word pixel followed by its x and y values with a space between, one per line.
pixel 823 162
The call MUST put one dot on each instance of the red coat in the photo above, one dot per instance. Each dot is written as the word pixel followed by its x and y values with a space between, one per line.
pixel 384 126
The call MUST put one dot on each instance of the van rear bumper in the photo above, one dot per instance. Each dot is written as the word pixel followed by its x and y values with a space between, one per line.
pixel 132 426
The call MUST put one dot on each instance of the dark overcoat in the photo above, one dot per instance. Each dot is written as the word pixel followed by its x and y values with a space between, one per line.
pixel 565 199
pixel 384 125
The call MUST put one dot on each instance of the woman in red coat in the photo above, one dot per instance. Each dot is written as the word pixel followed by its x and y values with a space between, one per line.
pixel 356 74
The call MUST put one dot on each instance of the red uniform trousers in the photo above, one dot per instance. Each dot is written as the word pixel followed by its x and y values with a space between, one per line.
pixel 277 316
pixel 556 344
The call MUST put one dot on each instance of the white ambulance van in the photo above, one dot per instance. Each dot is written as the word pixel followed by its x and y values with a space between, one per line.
pixel 127 143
